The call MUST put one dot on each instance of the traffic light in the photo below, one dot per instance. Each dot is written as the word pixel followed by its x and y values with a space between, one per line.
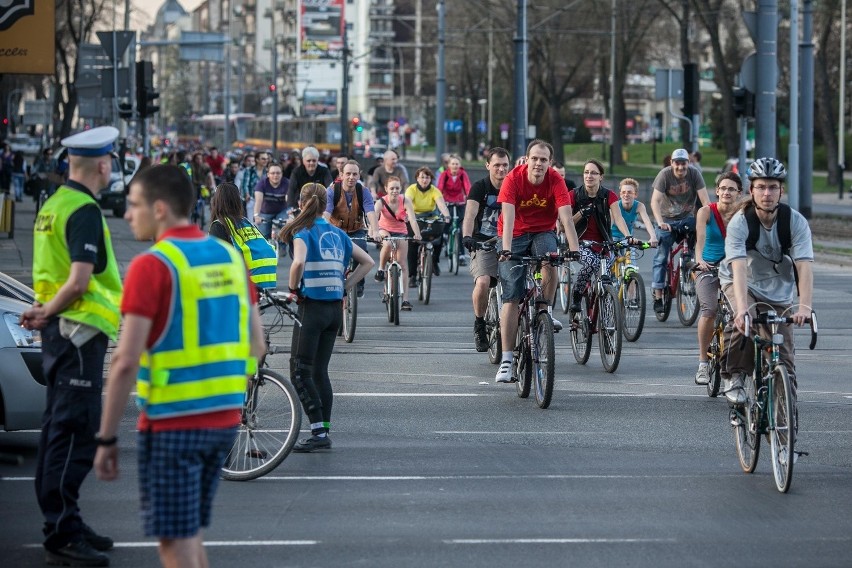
pixel 356 124
pixel 125 111
pixel 743 102
pixel 145 92
pixel 272 87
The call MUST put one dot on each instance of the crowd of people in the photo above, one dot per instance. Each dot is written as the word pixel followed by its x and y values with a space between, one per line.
pixel 191 330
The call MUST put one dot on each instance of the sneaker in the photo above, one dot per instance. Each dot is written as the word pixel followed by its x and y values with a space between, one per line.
pixel 576 299
pixel 658 306
pixel 504 373
pixel 733 388
pixel 436 270
pixel 557 325
pixel 406 306
pixel 464 260
pixel 79 553
pixel 361 289
pixel 313 443
pixel 480 336
pixel 95 540
pixel 380 276
pixel 412 282
pixel 702 375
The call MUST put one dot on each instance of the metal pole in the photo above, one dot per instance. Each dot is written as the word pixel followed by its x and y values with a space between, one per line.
pixel 767 78
pixel 491 64
pixel 274 82
pixel 841 145
pixel 612 90
pixel 441 87
pixel 519 132
pixel 806 111
pixel 793 148
pixel 344 98
pixel 226 104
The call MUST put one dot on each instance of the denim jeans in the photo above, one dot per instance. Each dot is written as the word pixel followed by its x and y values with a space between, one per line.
pixel 666 241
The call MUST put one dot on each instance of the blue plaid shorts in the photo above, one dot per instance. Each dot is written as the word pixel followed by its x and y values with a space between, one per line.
pixel 178 477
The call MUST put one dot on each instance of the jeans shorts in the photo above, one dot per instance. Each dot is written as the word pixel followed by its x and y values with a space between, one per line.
pixel 512 279
pixel 178 477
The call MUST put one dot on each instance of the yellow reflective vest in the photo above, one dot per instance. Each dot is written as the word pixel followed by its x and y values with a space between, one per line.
pixel 99 305
pixel 200 362
pixel 260 256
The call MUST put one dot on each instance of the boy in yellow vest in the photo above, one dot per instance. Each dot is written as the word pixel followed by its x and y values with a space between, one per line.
pixel 190 336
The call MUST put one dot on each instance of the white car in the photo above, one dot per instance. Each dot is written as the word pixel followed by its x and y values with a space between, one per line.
pixel 24 143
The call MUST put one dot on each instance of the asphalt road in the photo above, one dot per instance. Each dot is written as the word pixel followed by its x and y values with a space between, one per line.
pixel 436 465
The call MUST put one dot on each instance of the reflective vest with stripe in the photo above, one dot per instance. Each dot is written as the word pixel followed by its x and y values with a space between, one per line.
pixel 99 304
pixel 260 256
pixel 200 361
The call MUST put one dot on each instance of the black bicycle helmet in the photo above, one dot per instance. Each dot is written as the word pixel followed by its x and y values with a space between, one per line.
pixel 767 168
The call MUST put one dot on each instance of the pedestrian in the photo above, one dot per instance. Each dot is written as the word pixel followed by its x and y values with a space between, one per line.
pixel 78 288
pixel 321 253
pixel 20 174
pixel 190 336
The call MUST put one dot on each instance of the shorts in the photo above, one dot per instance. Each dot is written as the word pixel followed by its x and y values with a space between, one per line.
pixel 484 263
pixel 513 279
pixel 707 289
pixel 178 476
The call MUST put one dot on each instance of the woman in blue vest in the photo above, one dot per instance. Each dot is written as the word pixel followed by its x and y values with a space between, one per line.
pixel 229 225
pixel 321 253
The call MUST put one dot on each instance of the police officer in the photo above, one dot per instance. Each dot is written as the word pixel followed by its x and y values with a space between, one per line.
pixel 78 290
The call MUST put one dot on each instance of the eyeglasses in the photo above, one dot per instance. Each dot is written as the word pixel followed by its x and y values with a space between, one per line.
pixel 767 188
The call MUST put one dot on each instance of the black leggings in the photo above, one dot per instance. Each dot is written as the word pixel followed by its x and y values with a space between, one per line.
pixel 310 353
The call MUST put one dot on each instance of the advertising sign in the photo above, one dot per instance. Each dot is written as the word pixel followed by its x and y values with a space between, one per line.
pixel 321 31
pixel 26 37
pixel 319 101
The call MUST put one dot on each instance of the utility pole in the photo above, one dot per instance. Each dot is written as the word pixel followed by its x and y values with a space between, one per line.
pixel 767 78
pixel 612 91
pixel 344 97
pixel 519 132
pixel 793 146
pixel 806 111
pixel 441 86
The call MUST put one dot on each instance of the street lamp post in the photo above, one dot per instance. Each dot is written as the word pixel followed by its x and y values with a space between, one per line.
pixel 274 90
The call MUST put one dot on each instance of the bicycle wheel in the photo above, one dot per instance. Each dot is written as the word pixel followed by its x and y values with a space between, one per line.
pixel 522 359
pixel 492 327
pixel 714 360
pixel 350 314
pixel 667 305
pixel 581 336
pixel 271 419
pixel 747 427
pixel 782 429
pixel 393 298
pixel 633 301
pixel 609 329
pixel 455 251
pixel 687 299
pixel 426 281
pixel 543 354
pixel 564 273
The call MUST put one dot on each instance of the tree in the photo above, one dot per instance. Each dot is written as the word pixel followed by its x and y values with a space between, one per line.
pixel 827 71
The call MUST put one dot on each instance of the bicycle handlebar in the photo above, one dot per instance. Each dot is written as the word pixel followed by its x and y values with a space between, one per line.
pixel 551 257
pixel 768 318
pixel 281 301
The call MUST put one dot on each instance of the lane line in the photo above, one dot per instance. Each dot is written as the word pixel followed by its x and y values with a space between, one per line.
pixel 146 544
pixel 559 540
pixel 413 394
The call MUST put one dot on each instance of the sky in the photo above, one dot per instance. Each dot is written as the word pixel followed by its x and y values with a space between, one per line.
pixel 150 7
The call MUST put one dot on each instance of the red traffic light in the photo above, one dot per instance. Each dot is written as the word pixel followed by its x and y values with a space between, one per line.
pixel 5 121
pixel 272 87
pixel 356 121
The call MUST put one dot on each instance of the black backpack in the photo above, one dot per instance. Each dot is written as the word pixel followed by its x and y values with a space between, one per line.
pixel 602 214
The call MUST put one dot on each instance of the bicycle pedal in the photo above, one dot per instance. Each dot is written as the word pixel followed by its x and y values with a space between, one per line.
pixel 800 453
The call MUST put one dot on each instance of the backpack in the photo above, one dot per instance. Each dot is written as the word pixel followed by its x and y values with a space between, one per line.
pixel 785 236
pixel 359 195
pixel 602 214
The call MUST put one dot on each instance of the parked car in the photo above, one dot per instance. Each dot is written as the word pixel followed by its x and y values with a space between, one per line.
pixel 24 143
pixel 22 384
pixel 114 195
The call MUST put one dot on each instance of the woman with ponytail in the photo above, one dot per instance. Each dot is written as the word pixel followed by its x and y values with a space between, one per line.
pixel 321 253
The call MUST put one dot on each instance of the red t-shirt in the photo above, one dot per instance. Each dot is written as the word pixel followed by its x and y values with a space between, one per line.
pixel 536 206
pixel 593 232
pixel 148 293
pixel 216 165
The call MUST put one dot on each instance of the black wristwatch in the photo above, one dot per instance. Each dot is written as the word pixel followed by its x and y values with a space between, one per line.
pixel 105 441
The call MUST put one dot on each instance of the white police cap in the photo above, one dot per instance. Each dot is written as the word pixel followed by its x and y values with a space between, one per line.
pixel 91 143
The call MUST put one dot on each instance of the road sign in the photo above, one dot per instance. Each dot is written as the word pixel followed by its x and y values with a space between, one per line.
pixel 663 90
pixel 202 46
pixel 481 127
pixel 36 112
pixel 108 86
pixel 454 126
pixel 115 43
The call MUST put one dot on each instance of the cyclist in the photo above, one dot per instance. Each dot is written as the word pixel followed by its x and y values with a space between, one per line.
pixel 270 198
pixel 396 214
pixel 710 229
pixel 350 207
pixel 454 184
pixel 230 225
pixel 631 209
pixel 427 201
pixel 532 197
pixel 676 188
pixel 761 267
pixel 321 253
pixel 480 224
pixel 595 211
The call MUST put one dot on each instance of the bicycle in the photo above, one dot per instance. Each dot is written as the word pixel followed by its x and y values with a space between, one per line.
pixel 563 272
pixel 492 310
pixel 431 228
pixel 600 313
pixel 350 307
pixel 277 224
pixel 454 241
pixel 680 281
pixel 393 279
pixel 631 291
pixel 769 408
pixel 717 342
pixel 199 211
pixel 271 416
pixel 534 351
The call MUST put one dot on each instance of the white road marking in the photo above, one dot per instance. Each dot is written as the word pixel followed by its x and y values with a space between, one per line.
pixel 410 394
pixel 558 540
pixel 146 544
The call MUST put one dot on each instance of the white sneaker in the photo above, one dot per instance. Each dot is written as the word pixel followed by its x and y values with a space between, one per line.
pixel 557 325
pixel 734 391
pixel 504 373
pixel 702 375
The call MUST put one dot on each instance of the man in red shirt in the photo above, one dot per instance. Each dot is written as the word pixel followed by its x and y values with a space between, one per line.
pixel 532 197
pixel 191 373
pixel 216 163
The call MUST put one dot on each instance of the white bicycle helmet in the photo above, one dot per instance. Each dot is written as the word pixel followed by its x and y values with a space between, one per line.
pixel 767 168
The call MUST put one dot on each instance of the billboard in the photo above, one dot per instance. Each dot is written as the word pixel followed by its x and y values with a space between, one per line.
pixel 319 101
pixel 27 37
pixel 321 30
